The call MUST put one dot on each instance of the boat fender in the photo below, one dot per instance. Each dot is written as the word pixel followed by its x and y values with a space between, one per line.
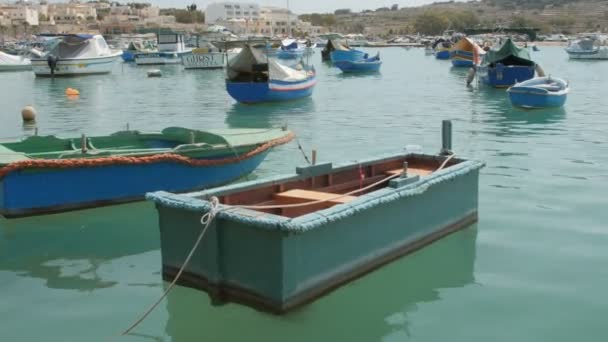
pixel 539 70
pixel 471 76
pixel 28 114
pixel 52 60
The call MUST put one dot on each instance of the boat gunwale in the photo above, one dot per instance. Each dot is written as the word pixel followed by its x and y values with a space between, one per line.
pixel 195 201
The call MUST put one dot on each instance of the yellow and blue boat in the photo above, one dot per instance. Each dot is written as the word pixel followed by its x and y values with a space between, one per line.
pixel 466 53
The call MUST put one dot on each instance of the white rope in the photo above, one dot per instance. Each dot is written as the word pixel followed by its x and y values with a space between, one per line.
pixel 445 162
pixel 206 222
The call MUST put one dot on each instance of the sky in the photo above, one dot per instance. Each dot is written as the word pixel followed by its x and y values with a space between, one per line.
pixel 301 6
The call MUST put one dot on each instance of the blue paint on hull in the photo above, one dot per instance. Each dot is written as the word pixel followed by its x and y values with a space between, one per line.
pixel 462 63
pixel 42 190
pixel 128 56
pixel 536 100
pixel 258 92
pixel 349 66
pixel 443 54
pixel 290 54
pixel 507 75
pixel 346 55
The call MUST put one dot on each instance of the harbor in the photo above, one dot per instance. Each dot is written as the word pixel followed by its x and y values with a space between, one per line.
pixel 531 254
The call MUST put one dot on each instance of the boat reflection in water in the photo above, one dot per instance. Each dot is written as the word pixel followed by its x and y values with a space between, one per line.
pixel 380 302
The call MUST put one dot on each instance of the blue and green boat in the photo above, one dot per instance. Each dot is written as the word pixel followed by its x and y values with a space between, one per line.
pixel 46 174
pixel 506 66
pixel 276 244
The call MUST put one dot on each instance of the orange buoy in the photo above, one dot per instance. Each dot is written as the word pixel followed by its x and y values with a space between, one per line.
pixel 72 92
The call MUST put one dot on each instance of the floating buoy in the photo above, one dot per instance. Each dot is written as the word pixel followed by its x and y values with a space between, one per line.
pixel 154 73
pixel 28 113
pixel 72 92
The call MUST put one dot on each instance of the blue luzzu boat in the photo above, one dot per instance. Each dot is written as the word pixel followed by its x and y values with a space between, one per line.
pixel 506 66
pixel 442 48
pixel 363 65
pixel 135 47
pixel 253 77
pixel 346 54
pixel 279 243
pixel 45 174
pixel 290 49
pixel 466 53
pixel 539 92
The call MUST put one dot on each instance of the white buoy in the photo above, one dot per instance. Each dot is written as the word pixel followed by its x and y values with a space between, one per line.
pixel 154 73
pixel 28 114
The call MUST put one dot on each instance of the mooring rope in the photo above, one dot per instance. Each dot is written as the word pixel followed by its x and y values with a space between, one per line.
pixel 302 150
pixel 206 220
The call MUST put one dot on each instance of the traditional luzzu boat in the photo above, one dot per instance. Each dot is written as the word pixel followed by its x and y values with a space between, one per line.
pixel 347 54
pixel 466 53
pixel 76 54
pixel 171 48
pixel 332 45
pixel 363 65
pixel 442 48
pixel 539 92
pixel 45 174
pixel 506 66
pixel 276 244
pixel 253 77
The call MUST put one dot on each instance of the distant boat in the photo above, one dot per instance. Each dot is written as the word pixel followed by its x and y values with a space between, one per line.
pixel 540 92
pixel 290 49
pixel 506 66
pixel 171 48
pixel 588 47
pixel 253 77
pixel 346 55
pixel 466 53
pixel 135 47
pixel 44 174
pixel 332 45
pixel 76 54
pixel 14 63
pixel 363 65
pixel 442 48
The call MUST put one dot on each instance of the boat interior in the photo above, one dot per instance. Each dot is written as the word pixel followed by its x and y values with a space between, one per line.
pixel 124 142
pixel 327 187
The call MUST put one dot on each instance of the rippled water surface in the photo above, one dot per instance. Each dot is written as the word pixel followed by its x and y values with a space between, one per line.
pixel 533 269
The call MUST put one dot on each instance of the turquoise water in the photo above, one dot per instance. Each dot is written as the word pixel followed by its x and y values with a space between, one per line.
pixel 532 269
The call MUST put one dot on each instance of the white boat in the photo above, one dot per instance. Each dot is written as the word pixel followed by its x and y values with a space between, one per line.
pixel 588 47
pixel 76 54
pixel 14 63
pixel 206 56
pixel 171 48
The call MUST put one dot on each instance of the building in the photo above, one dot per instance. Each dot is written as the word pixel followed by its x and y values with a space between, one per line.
pixel 225 11
pixel 72 12
pixel 15 15
pixel 277 21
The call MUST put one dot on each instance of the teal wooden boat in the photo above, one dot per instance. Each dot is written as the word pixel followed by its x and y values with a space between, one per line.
pixel 46 174
pixel 278 243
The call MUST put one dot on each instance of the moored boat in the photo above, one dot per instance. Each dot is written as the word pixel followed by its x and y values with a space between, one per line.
pixel 348 54
pixel 363 65
pixel 290 49
pixel 506 66
pixel 171 48
pixel 333 44
pixel 205 56
pixel 10 62
pixel 592 46
pixel 135 47
pixel 76 54
pixel 44 174
pixel 253 77
pixel 466 53
pixel 539 92
pixel 442 48
pixel 308 233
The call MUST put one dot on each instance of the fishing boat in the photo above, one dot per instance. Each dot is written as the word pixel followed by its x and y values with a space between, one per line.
pixel 466 53
pixel 45 174
pixel 442 48
pixel 171 48
pixel 539 92
pixel 290 49
pixel 253 77
pixel 588 47
pixel 10 62
pixel 135 47
pixel 332 45
pixel 76 54
pixel 205 56
pixel 347 54
pixel 506 66
pixel 279 243
pixel 363 65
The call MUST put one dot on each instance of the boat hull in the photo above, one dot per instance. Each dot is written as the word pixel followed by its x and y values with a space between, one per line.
pixel 601 53
pixel 531 99
pixel 211 60
pixel 442 54
pixel 346 55
pixel 296 260
pixel 457 62
pixel 76 67
pixel 15 67
pixel 43 191
pixel 273 91
pixel 159 58
pixel 355 67
pixel 290 54
pixel 506 76
pixel 128 56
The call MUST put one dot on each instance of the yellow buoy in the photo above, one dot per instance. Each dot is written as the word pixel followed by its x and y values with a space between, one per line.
pixel 28 113
pixel 72 92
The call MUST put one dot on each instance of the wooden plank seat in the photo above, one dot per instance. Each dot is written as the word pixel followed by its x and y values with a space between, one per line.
pixel 300 196
pixel 410 171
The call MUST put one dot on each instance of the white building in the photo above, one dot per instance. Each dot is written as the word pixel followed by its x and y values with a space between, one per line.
pixel 16 15
pixel 223 11
pixel 71 13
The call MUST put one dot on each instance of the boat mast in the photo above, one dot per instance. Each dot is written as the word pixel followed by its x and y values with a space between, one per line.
pixel 288 22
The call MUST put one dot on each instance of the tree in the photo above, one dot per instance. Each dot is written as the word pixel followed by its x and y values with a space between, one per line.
pixel 342 11
pixel 431 23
